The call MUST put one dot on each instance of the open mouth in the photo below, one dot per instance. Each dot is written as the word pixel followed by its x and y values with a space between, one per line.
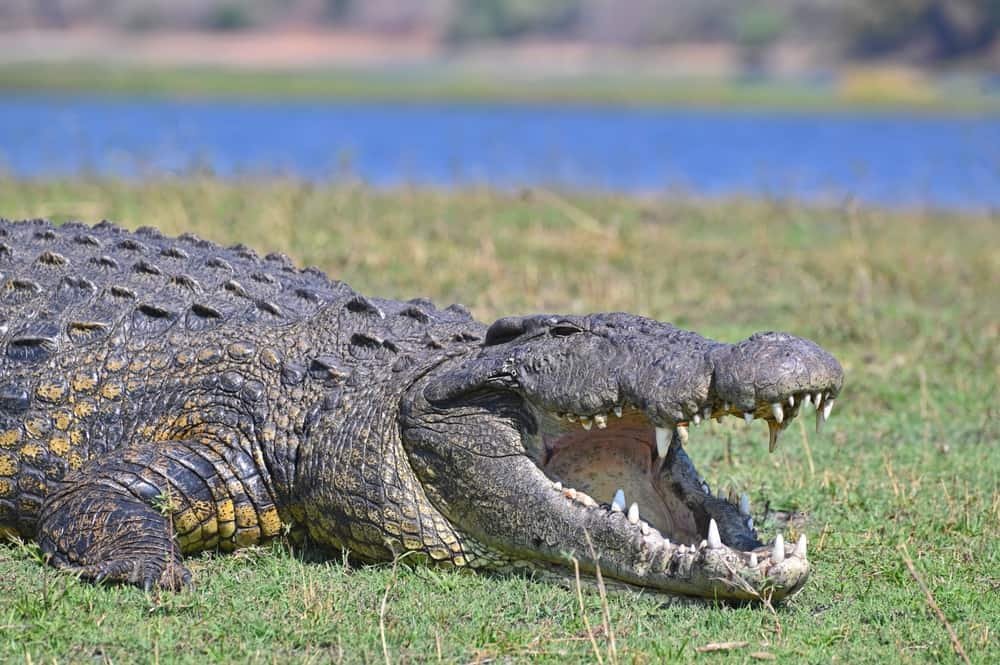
pixel 624 464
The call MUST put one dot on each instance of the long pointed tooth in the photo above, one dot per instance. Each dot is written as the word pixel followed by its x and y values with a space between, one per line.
pixel 778 549
pixel 696 419
pixel 827 408
pixel 753 560
pixel 817 399
pixel 807 399
pixel 778 412
pixel 587 422
pixel 557 485
pixel 705 488
pixel 773 429
pixel 662 441
pixel 714 541
pixel 745 504
pixel 748 417
pixel 618 503
pixel 791 400
pixel 633 513
pixel 601 421
pixel 618 411
pixel 800 547
pixel 571 417
pixel 682 432
pixel 706 413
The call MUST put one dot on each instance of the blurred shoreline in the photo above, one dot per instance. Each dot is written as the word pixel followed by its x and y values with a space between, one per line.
pixel 311 63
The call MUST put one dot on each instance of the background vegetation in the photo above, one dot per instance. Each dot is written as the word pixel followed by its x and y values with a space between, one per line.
pixel 928 30
pixel 905 471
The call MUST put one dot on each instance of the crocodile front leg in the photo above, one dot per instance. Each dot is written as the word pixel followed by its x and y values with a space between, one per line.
pixel 131 516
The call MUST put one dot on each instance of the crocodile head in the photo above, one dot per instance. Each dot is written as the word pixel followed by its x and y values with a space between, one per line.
pixel 560 442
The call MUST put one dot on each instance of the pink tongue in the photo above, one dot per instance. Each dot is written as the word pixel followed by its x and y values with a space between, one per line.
pixel 602 462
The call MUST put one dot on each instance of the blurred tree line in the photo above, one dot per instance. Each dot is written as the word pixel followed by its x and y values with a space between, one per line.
pixel 927 30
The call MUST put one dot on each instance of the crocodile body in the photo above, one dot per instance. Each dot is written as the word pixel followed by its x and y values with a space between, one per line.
pixel 163 396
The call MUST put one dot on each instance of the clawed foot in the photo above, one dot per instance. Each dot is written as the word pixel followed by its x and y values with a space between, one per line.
pixel 148 573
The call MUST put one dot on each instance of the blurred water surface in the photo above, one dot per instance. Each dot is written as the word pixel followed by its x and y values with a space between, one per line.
pixel 884 158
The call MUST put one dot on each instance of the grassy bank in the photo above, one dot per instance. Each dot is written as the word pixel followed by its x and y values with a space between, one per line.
pixel 859 90
pixel 906 471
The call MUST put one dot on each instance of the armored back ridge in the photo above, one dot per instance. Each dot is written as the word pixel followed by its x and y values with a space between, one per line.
pixel 163 396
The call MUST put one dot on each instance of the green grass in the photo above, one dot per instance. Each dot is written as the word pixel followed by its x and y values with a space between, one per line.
pixel 447 83
pixel 911 456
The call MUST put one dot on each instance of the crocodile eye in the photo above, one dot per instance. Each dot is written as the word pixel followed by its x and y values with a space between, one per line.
pixel 564 329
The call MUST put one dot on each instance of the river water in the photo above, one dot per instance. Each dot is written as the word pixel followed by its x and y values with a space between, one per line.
pixel 891 159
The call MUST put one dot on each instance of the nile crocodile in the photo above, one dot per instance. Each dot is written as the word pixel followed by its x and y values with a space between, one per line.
pixel 164 396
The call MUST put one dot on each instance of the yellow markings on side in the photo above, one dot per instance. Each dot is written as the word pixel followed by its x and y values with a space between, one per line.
pixel 30 451
pixel 10 438
pixel 62 420
pixel 247 537
pixel 51 391
pixel 59 445
pixel 36 426
pixel 186 521
pixel 270 523
pixel 111 390
pixel 84 408
pixel 75 460
pixel 84 383
pixel 225 511
pixel 246 516
pixel 8 465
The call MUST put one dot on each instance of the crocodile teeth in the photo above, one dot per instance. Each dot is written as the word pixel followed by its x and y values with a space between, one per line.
pixel 682 432
pixel 807 399
pixel 706 413
pixel 800 547
pixel 557 485
pixel 753 560
pixel 827 408
pixel 618 503
pixel 748 417
pixel 778 549
pixel 791 400
pixel 618 411
pixel 696 419
pixel 601 421
pixel 587 422
pixel 745 504
pixel 633 513
pixel 817 399
pixel 662 441
pixel 571 417
pixel 705 488
pixel 777 412
pixel 714 541
pixel 772 432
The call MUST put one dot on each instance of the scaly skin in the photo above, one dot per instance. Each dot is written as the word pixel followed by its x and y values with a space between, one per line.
pixel 160 397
